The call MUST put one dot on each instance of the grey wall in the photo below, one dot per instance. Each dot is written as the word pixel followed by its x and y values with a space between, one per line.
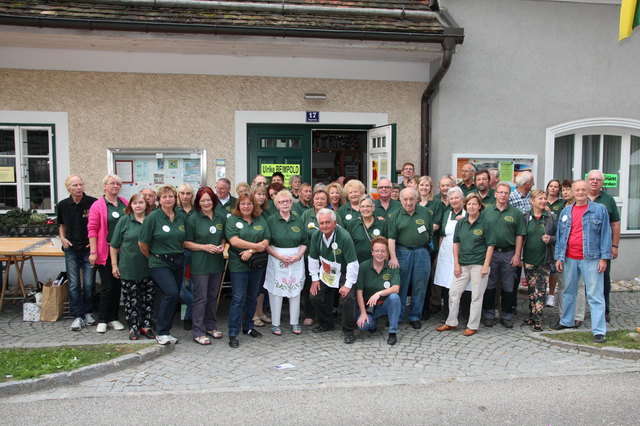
pixel 528 65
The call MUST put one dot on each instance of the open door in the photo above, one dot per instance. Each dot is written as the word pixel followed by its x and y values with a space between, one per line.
pixel 381 155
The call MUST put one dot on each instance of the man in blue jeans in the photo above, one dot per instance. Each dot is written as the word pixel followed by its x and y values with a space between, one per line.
pixel 583 246
pixel 409 230
pixel 73 215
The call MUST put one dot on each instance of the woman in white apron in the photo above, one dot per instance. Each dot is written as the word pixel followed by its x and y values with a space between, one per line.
pixel 285 269
pixel 444 269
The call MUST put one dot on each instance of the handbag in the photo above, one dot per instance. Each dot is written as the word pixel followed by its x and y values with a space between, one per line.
pixel 258 260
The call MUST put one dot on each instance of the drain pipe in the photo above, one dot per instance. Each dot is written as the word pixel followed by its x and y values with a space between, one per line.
pixel 448 46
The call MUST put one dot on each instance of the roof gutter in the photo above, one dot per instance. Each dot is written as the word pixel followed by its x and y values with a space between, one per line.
pixel 448 46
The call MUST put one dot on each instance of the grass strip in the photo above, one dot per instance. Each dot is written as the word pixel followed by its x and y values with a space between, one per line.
pixel 28 363
pixel 625 339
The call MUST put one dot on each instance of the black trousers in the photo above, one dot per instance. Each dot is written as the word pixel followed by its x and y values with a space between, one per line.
pixel 110 289
pixel 323 305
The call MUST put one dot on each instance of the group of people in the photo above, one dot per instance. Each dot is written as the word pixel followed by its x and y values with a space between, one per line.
pixel 330 248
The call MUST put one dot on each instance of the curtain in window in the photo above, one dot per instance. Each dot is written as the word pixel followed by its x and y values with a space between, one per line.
pixel 611 154
pixel 563 157
pixel 590 154
pixel 633 216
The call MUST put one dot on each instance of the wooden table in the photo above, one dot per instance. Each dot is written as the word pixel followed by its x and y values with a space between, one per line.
pixel 12 252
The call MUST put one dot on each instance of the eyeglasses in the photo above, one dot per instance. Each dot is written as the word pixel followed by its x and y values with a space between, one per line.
pixel 384 187
pixel 366 206
pixel 284 202
pixel 114 183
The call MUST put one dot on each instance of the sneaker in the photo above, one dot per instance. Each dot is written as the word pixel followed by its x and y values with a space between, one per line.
pixel 172 339
pixel 599 338
pixel 77 324
pixel 116 325
pixel 551 301
pixel 558 326
pixel 253 333
pixel 90 319
pixel 102 327
pixel 163 340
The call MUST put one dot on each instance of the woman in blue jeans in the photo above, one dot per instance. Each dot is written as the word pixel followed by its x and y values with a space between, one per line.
pixel 248 233
pixel 161 238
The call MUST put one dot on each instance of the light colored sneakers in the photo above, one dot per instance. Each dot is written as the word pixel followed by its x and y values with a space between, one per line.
pixel 551 301
pixel 102 327
pixel 90 319
pixel 116 325
pixel 165 339
pixel 77 324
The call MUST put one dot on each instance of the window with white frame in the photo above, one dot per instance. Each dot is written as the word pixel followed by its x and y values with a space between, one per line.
pixel 609 145
pixel 27 156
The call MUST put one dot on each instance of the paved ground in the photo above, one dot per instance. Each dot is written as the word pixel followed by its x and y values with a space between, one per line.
pixel 320 361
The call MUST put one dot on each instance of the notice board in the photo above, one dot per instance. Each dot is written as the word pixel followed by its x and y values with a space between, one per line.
pixel 509 166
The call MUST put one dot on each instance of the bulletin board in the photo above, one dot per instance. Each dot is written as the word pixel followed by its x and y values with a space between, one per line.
pixel 152 168
pixel 509 166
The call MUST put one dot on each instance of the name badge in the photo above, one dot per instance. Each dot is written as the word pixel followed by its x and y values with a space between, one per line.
pixel 239 225
pixel 564 218
pixel 334 245
pixel 228 215
pixel 422 229
pixel 166 228
pixel 376 232
pixel 212 229
pixel 348 217
pixel 387 284
pixel 115 214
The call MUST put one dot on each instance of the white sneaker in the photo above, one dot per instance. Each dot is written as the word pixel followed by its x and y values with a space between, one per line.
pixel 89 319
pixel 102 327
pixel 163 340
pixel 77 324
pixel 551 301
pixel 116 325
pixel 172 339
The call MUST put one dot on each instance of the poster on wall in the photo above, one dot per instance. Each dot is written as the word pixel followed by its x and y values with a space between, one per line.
pixel 151 168
pixel 508 166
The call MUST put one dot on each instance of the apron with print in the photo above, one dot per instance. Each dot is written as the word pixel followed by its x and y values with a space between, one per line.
pixel 284 280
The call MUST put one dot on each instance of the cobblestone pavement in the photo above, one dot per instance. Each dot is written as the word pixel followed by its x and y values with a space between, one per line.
pixel 420 356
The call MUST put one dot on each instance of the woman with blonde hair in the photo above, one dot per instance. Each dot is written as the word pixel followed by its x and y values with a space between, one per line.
pixel 336 199
pixel 353 190
pixel 103 218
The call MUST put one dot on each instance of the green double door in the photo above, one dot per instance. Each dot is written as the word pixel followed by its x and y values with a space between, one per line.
pixel 286 149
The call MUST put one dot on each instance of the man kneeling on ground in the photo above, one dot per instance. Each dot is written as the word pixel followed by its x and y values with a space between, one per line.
pixel 379 285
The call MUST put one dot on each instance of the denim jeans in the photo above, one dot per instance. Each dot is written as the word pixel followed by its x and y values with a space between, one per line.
pixel 415 268
pixel 391 308
pixel 80 293
pixel 594 285
pixel 168 281
pixel 186 289
pixel 245 287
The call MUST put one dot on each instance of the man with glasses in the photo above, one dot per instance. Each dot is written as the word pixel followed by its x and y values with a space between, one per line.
pixel 408 170
pixel 595 182
pixel 467 185
pixel 385 205
pixel 226 201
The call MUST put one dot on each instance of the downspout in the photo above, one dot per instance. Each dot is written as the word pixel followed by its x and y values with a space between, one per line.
pixel 448 46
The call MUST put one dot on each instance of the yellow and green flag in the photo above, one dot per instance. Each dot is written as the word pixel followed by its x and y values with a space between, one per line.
pixel 629 17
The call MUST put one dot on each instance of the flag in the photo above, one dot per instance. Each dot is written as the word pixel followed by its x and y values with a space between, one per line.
pixel 629 17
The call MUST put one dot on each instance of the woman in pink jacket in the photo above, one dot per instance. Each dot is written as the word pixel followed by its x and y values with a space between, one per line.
pixel 103 217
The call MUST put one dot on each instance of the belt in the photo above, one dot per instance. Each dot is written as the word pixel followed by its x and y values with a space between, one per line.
pixel 502 249
pixel 411 247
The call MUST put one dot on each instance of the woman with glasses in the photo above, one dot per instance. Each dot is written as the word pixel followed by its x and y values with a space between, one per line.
pixel 365 228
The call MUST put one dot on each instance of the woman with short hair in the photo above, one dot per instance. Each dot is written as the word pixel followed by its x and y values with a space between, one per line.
pixel 353 190
pixel 285 270
pixel 205 239
pixel 248 234
pixel 365 228
pixel 161 238
pixel 104 215
pixel 132 268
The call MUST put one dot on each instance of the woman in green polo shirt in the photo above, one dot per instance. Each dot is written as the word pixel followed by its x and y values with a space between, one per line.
pixel 261 194
pixel 336 199
pixel 160 240
pixel 537 254
pixel 473 245
pixel 130 266
pixel 320 200
pixel 353 190
pixel 365 228
pixel 205 240
pixel 248 233
pixel 285 271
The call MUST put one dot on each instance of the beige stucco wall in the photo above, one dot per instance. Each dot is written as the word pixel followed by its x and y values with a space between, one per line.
pixel 166 110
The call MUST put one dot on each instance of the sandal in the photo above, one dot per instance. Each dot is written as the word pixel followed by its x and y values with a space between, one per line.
pixel 202 340
pixel 527 322
pixel 308 322
pixel 265 318
pixel 215 334
pixel 296 329
pixel 276 330
pixel 257 322
pixel 133 334
pixel 537 326
pixel 148 333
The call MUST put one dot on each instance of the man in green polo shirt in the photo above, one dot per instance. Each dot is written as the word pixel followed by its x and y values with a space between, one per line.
pixel 226 201
pixel 333 266
pixel 377 290
pixel 484 191
pixel 595 179
pixel 409 230
pixel 468 172
pixel 304 200
pixel 508 228
pixel 385 205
